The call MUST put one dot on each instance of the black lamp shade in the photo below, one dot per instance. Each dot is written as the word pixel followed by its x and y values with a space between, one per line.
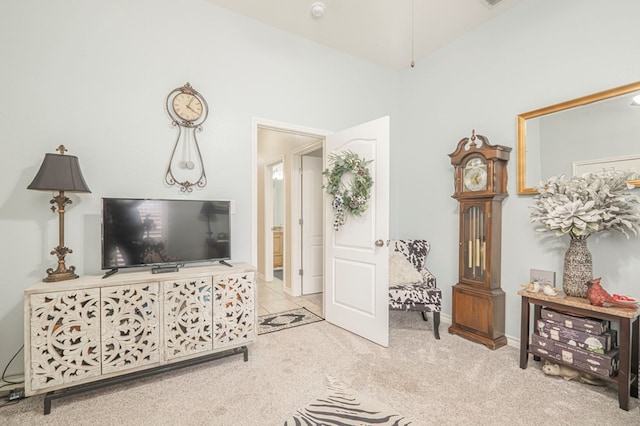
pixel 59 173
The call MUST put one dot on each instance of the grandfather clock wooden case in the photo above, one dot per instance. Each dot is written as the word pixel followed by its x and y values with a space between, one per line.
pixel 480 186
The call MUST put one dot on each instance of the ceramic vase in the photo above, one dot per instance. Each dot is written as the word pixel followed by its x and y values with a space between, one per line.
pixel 578 268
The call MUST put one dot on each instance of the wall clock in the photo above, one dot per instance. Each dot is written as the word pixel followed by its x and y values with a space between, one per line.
pixel 188 110
pixel 478 302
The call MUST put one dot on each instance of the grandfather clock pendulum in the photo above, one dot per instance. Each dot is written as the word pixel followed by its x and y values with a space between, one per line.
pixel 478 305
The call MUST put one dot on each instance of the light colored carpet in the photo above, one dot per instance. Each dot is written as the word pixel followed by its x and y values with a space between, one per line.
pixel 446 382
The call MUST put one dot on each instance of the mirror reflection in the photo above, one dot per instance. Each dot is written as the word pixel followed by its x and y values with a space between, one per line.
pixel 583 135
pixel 277 177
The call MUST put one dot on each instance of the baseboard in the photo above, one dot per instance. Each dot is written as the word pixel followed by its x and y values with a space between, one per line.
pixel 511 341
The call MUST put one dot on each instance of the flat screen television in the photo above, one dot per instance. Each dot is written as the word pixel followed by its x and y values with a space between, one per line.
pixel 155 232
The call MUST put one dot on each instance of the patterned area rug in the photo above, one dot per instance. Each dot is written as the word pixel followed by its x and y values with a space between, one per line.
pixel 283 320
pixel 343 406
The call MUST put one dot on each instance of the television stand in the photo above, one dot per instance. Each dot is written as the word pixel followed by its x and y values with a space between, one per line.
pixel 225 263
pixel 180 318
pixel 109 273
pixel 165 268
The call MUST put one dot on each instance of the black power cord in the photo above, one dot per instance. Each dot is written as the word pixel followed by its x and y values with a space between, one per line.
pixel 15 395
pixel 4 372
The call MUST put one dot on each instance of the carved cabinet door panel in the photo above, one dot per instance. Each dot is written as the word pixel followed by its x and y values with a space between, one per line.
pixel 130 326
pixel 233 309
pixel 188 317
pixel 65 338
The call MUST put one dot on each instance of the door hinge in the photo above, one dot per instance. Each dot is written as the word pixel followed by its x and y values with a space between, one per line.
pixel 300 272
pixel 300 170
pixel 299 221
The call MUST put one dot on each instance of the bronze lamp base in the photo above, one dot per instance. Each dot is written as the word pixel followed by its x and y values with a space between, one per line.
pixel 62 273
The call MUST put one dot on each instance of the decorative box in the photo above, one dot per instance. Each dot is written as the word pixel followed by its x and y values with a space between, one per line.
pixel 605 365
pixel 592 342
pixel 588 325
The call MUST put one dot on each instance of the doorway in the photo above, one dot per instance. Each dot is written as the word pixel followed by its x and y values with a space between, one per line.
pixel 355 287
pixel 290 146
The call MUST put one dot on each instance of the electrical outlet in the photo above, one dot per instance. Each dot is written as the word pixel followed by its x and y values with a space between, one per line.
pixel 16 394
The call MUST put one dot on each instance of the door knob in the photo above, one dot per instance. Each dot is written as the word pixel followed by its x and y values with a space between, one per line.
pixel 379 243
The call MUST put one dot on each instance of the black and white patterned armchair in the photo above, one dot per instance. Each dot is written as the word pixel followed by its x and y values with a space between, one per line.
pixel 411 286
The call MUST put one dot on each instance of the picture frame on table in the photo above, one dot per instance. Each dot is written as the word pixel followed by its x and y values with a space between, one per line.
pixel 542 276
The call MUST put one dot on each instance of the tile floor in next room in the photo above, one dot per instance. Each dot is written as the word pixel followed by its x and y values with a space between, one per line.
pixel 272 299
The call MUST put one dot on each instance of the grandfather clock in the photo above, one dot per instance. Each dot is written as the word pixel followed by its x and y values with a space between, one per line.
pixel 480 186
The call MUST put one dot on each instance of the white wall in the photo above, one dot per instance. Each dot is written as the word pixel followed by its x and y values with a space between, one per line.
pixel 94 75
pixel 539 53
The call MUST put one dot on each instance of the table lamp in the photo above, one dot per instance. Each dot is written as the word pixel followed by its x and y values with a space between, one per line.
pixel 60 172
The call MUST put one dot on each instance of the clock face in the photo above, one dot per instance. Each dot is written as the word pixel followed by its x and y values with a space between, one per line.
pixel 475 175
pixel 187 106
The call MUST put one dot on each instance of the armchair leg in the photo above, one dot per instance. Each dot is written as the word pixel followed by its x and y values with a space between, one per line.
pixel 436 322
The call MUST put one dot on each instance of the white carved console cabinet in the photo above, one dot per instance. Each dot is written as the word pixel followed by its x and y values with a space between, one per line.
pixel 92 332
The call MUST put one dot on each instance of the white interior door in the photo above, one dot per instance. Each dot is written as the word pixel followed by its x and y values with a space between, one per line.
pixel 356 268
pixel 312 225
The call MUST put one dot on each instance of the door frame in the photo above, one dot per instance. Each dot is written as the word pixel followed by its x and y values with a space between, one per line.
pixel 256 123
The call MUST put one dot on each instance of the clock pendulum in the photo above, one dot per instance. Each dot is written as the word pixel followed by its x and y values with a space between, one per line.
pixel 188 110
pixel 478 303
pixel 189 164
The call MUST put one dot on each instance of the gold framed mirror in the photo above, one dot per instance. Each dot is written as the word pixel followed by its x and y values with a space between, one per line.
pixel 597 131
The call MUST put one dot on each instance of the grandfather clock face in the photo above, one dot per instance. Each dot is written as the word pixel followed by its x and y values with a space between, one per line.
pixel 474 175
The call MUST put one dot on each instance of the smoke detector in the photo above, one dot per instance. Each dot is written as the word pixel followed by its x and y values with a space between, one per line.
pixel 490 3
pixel 317 9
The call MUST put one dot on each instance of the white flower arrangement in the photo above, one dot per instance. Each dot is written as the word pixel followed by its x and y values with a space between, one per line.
pixel 583 205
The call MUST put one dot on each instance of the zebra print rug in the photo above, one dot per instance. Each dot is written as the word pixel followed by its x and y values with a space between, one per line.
pixel 343 406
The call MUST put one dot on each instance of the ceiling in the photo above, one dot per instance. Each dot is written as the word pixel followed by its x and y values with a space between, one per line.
pixel 376 30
